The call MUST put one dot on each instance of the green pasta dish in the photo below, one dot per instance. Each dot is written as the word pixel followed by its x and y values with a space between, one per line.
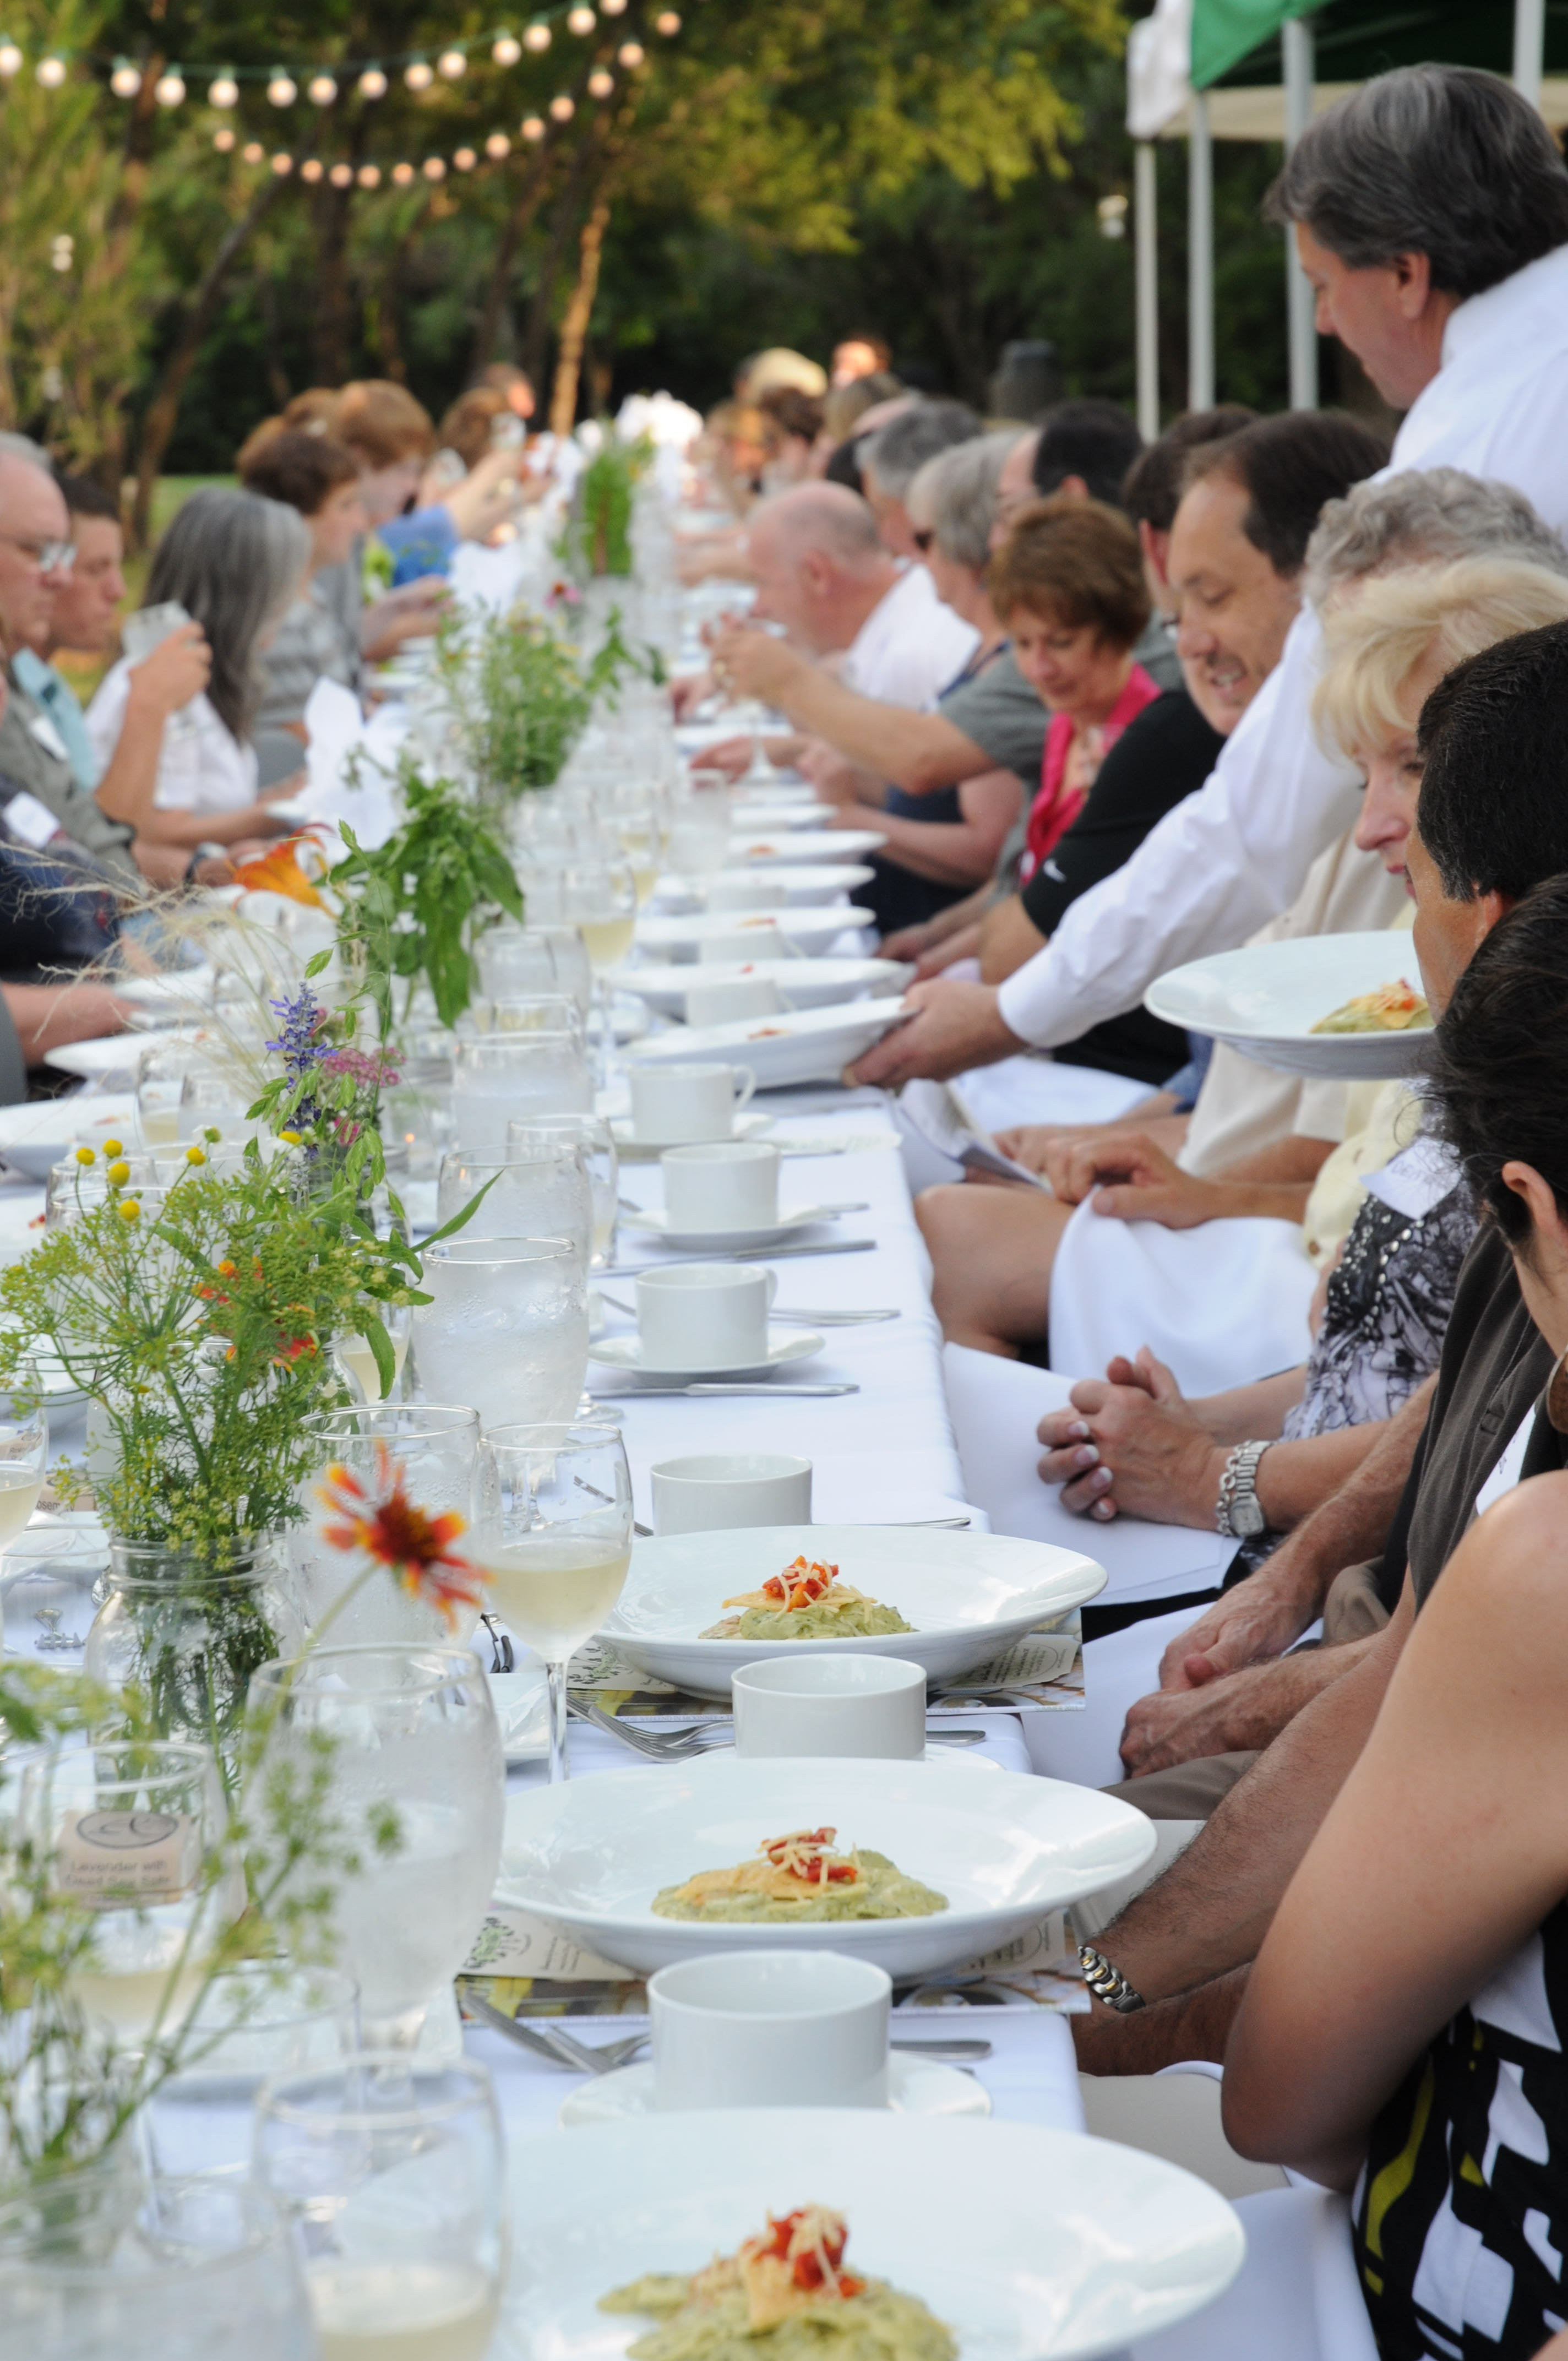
pixel 806 1601
pixel 785 2297
pixel 800 1877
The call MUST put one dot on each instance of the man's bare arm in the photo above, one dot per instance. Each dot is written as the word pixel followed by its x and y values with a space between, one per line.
pixel 1243 1712
pixel 1193 2024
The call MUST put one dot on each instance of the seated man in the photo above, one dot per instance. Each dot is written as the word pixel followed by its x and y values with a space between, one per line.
pixel 1492 822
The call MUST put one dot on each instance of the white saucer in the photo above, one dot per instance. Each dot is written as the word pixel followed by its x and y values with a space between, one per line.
pixel 657 1225
pixel 746 1127
pixel 914 2087
pixel 783 1351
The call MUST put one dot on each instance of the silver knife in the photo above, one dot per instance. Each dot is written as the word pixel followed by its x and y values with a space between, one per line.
pixel 736 1253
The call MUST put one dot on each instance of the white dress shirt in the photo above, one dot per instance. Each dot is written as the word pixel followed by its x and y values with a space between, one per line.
pixel 909 647
pixel 1235 854
pixel 201 767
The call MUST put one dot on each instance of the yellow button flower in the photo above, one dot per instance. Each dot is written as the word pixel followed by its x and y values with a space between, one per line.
pixel 118 1174
pixel 113 1147
pixel 84 1156
pixel 195 1155
pixel 128 1210
pixel 293 1137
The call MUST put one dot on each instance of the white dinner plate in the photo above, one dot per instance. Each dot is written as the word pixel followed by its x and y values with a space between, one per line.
pixel 590 1855
pixel 969 1596
pixel 915 2086
pixel 1032 2244
pixel 802 983
pixel 677 937
pixel 748 1124
pixel 33 1137
pixel 801 1045
pixel 1265 999
pixel 762 815
pixel 522 1702
pixel 806 886
pixel 111 1054
pixel 785 1348
pixel 756 848
pixel 21 1224
pixel 657 1225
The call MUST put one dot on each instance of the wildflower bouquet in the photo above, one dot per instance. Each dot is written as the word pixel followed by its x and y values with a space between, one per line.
pixel 520 698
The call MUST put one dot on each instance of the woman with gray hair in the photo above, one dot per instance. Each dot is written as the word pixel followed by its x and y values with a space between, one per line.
pixel 235 564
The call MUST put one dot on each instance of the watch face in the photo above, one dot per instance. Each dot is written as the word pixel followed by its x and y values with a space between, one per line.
pixel 1247 1518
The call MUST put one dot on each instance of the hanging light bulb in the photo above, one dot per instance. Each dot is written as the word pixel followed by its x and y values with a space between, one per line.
pixel 372 83
pixel 282 164
pixel 282 90
pixel 253 151
pixel 11 62
pixel 169 88
pixel 601 83
pixel 222 139
pixel 369 176
pixel 435 169
pixel 126 80
pixel 61 251
pixel 418 75
pixel 581 20
pixel 506 49
pixel 562 108
pixel 312 168
pixel 320 89
pixel 498 144
pixel 51 70
pixel 402 174
pixel 536 38
pixel 612 7
pixel 631 54
pixel 465 158
pixel 531 127
pixel 223 90
pixel 452 65
pixel 667 23
pixel 342 176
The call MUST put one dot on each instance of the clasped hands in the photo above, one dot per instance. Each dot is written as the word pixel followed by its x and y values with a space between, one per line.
pixel 1130 1442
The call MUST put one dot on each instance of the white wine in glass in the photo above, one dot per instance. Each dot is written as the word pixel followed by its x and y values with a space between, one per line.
pixel 19 1490
pixel 395 2311
pixel 553 1594
pixel 23 1450
pixel 607 939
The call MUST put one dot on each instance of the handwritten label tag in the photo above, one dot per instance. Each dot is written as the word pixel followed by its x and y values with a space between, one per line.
pixel 116 1861
pixel 30 820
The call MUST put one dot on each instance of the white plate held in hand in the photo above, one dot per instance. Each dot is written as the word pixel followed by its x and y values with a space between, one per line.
pixel 803 1045
pixel 1265 999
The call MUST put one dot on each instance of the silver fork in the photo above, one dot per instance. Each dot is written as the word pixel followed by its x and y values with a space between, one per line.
pixel 659 1746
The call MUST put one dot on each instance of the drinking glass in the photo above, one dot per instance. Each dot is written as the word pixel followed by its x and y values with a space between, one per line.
pixel 603 901
pixel 546 1195
pixel 161 1071
pixel 262 2018
pixel 555 1536
pixel 530 1135
pixel 406 1739
pixel 213 1101
pixel 393 2175
pixel 73 1189
pixel 641 832
pixel 135 1832
pixel 358 1362
pixel 507 1328
pixel 699 826
pixel 23 1450
pixel 434 1447
pixel 522 1012
pixel 515 960
pixel 498 1075
pixel 572 972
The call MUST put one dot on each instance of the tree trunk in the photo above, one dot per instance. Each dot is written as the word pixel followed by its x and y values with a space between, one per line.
pixel 333 305
pixel 517 225
pixel 580 312
pixel 163 410
pixel 563 215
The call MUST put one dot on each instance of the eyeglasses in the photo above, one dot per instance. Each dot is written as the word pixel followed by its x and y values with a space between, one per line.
pixel 49 557
pixel 923 538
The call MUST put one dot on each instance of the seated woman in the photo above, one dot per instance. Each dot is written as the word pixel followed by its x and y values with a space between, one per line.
pixel 235 564
pixel 319 637
pixel 390 438
pixel 1403 2029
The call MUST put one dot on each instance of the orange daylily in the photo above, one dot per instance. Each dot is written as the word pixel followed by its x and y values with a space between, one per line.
pixel 416 1547
pixel 278 870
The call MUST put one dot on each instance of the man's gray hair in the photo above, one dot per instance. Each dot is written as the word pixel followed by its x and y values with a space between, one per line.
pixel 1440 160
pixel 898 451
pixel 23 447
pixel 234 562
pixel 955 494
pixel 1424 516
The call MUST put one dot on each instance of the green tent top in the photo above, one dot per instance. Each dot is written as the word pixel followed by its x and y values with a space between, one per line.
pixel 1237 41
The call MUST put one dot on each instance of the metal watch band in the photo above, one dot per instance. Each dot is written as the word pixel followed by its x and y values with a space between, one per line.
pixel 1238 1512
pixel 205 851
pixel 1106 1983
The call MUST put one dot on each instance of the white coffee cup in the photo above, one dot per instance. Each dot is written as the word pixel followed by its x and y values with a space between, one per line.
pixel 723 1184
pixel 762 939
pixel 746 893
pixel 734 1001
pixel 718 1491
pixel 674 1104
pixel 831 1705
pixel 705 1316
pixel 770 2029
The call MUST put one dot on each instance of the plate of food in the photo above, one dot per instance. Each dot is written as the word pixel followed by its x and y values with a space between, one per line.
pixel 699 1606
pixel 800 982
pixel 761 815
pixel 809 929
pixel 34 1138
pixel 109 1053
pixel 927 2240
pixel 917 1866
pixel 799 1044
pixel 1347 1007
pixel 802 887
pixel 756 849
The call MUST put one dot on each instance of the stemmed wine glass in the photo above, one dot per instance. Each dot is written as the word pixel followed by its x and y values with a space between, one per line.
pixel 555 1536
pixel 601 903
pixel 24 1449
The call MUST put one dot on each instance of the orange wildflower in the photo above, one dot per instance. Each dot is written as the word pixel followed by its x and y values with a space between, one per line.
pixel 416 1547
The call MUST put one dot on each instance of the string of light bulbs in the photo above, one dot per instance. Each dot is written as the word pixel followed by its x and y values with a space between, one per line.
pixel 323 84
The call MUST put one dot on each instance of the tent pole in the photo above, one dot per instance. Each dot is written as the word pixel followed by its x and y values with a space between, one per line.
pixel 1530 43
pixel 1144 231
pixel 1295 38
pixel 1199 256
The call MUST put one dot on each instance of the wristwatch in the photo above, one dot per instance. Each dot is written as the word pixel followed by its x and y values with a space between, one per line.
pixel 203 852
pixel 1238 1512
pixel 1108 1983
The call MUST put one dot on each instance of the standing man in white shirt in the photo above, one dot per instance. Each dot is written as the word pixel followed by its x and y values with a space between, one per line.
pixel 1431 213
